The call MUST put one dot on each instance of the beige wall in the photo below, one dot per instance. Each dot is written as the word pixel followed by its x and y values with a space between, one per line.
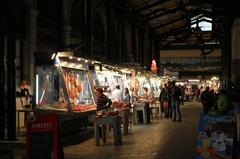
pixel 188 53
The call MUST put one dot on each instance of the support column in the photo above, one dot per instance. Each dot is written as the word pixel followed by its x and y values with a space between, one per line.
pixel 30 45
pixel 226 56
pixel 150 52
pixel 2 75
pixel 108 31
pixel 120 38
pixel 11 102
pixel 236 52
pixel 131 57
pixel 157 55
pixel 89 29
pixel 142 50
pixel 10 72
pixel 66 22
pixel 146 49
pixel 66 35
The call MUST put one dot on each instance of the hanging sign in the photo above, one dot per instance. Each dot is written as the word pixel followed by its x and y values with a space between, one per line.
pixel 196 61
pixel 154 66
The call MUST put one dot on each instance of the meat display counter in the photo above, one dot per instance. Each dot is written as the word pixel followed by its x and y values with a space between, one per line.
pixel 65 88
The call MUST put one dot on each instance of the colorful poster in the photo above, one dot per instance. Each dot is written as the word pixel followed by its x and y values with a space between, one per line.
pixel 215 137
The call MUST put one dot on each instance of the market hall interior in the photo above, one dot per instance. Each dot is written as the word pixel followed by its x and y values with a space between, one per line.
pixel 63 49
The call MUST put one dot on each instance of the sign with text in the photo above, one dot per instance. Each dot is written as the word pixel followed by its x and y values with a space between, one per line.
pixel 196 61
pixel 43 140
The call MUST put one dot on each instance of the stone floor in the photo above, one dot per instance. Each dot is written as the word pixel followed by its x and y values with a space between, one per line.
pixel 163 139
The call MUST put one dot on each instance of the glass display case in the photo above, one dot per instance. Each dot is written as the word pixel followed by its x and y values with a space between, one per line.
pixel 155 85
pixel 141 82
pixel 64 87
pixel 108 80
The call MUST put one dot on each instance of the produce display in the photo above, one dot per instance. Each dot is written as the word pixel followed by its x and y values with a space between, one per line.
pixel 118 104
pixel 83 108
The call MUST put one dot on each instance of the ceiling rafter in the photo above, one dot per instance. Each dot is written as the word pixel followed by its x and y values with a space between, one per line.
pixel 180 30
pixel 172 19
pixel 147 6
pixel 198 11
pixel 163 10
pixel 202 20
pixel 137 14
pixel 169 22
pixel 169 11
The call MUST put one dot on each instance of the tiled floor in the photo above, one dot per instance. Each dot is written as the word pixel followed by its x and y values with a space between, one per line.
pixel 162 139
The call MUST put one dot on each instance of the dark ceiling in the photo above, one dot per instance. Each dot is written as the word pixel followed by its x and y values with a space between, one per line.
pixel 171 20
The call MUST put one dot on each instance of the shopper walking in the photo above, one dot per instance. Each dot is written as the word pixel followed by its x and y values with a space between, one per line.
pixel 163 100
pixel 207 100
pixel 187 94
pixel 169 108
pixel 182 94
pixel 175 98
pixel 197 94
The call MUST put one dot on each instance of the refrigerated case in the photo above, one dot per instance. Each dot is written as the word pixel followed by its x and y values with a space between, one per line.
pixel 155 84
pixel 109 79
pixel 142 81
pixel 65 88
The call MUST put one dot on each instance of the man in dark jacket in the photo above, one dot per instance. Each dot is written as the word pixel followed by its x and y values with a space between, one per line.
pixel 163 99
pixel 169 108
pixel 207 100
pixel 176 97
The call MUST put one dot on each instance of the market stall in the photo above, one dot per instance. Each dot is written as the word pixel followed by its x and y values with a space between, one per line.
pixel 108 78
pixel 111 76
pixel 156 88
pixel 65 88
pixel 144 97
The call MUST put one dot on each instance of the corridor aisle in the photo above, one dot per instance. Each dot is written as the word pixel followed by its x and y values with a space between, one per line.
pixel 162 139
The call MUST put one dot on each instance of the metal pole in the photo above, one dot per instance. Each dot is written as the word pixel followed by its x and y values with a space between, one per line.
pixel 2 100
pixel 11 53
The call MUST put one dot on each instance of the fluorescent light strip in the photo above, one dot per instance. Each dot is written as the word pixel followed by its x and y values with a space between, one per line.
pixel 37 89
